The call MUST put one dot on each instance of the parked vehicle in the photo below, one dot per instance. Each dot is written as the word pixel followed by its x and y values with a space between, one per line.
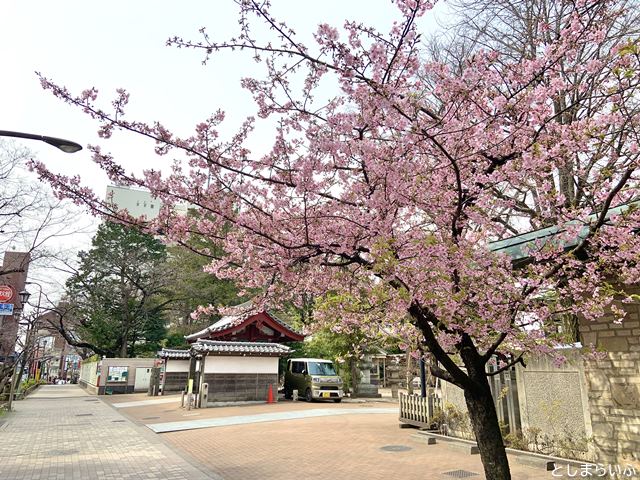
pixel 313 378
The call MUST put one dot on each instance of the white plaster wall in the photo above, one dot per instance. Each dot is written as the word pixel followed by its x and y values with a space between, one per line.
pixel 131 363
pixel 177 365
pixel 230 364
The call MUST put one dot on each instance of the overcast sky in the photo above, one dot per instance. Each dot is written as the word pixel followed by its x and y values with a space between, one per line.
pixel 119 43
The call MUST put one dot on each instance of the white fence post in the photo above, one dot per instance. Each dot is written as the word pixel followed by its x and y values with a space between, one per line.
pixel 416 410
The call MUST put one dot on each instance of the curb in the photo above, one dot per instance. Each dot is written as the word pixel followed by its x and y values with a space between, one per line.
pixel 531 459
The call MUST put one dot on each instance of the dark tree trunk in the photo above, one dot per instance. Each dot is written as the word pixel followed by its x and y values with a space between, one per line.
pixel 484 420
pixel 477 394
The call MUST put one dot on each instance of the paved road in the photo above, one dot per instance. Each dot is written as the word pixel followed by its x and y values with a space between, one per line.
pixel 315 441
pixel 263 417
pixel 58 391
pixel 60 432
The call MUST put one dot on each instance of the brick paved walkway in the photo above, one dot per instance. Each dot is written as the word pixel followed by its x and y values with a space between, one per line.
pixel 347 444
pixel 354 447
pixel 263 417
pixel 62 433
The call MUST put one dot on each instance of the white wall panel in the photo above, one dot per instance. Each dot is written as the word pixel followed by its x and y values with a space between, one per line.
pixel 220 364
pixel 177 365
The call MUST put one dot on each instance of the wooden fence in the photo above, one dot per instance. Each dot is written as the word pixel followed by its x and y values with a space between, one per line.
pixel 416 410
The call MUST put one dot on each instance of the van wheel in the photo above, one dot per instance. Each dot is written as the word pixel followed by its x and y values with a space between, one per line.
pixel 308 395
pixel 337 400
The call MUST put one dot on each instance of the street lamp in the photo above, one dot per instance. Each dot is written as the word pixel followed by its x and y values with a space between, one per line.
pixel 24 296
pixel 66 146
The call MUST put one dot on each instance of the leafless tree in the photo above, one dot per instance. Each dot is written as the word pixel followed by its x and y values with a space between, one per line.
pixel 520 29
pixel 33 221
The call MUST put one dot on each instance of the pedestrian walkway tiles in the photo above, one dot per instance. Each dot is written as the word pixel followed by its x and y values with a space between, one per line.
pixel 58 391
pixel 262 417
pixel 82 438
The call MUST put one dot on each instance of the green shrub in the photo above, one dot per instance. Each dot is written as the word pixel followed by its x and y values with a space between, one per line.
pixel 26 384
pixel 454 422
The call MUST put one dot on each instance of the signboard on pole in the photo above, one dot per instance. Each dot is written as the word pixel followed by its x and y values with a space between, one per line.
pixel 6 309
pixel 6 293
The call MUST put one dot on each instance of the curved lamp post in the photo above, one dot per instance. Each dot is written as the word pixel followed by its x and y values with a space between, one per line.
pixel 66 146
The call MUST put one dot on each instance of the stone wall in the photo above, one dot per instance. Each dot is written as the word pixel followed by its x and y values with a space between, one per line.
pixel 614 386
pixel 175 381
pixel 554 398
pixel 544 398
pixel 395 366
pixel 614 337
pixel 586 398
pixel 230 387
pixel 614 400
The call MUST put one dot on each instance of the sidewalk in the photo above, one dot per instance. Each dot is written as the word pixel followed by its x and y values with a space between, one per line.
pixel 60 432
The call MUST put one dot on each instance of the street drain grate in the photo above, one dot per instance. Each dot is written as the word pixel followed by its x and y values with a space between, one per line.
pixel 460 474
pixel 92 400
pixel 395 448
pixel 149 418
pixel 118 421
pixel 84 414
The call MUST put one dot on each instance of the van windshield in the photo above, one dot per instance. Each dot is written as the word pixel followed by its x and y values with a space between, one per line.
pixel 321 368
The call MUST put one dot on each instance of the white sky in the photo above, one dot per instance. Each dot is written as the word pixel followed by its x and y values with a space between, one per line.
pixel 119 43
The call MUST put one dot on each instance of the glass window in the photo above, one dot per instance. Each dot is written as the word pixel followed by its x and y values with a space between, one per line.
pixel 321 368
pixel 297 367
pixel 118 374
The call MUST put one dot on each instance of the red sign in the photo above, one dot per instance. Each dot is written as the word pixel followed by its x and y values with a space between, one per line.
pixel 6 293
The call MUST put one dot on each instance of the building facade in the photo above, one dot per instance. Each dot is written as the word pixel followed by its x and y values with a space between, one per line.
pixel 13 273
pixel 139 203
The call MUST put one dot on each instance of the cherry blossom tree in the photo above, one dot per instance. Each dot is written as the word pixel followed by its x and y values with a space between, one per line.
pixel 391 191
